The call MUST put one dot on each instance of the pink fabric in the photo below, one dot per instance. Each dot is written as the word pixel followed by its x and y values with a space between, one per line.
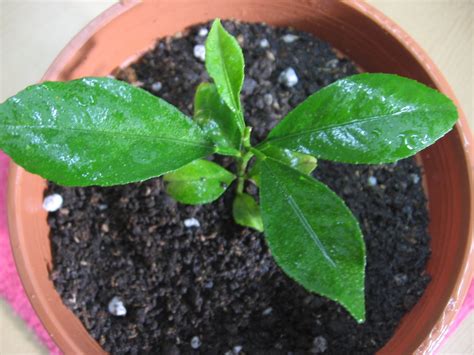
pixel 466 308
pixel 12 290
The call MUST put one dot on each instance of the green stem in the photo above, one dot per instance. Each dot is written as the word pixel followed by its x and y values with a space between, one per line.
pixel 246 137
pixel 241 168
pixel 242 162
pixel 240 185
pixel 258 153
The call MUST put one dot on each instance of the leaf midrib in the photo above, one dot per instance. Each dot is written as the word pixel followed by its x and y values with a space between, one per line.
pixel 300 215
pixel 226 75
pixel 235 100
pixel 106 132
pixel 329 127
pixel 214 178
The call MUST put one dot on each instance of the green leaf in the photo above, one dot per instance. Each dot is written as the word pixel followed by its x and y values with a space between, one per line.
pixel 366 118
pixel 217 120
pixel 246 212
pixel 313 236
pixel 225 64
pixel 97 131
pixel 199 182
pixel 302 162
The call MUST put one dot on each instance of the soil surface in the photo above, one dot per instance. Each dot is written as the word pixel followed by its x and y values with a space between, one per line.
pixel 214 288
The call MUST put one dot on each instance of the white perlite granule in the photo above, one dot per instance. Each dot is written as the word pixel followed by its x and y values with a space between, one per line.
pixel 264 43
pixel 288 77
pixel 156 86
pixel 289 38
pixel 195 342
pixel 116 307
pixel 199 52
pixel 372 181
pixel 237 349
pixel 203 32
pixel 415 178
pixel 52 202
pixel 191 222
pixel 320 345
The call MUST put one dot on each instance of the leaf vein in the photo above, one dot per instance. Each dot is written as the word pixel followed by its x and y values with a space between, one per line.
pixel 304 221
pixel 319 129
pixel 309 229
pixel 132 135
pixel 226 74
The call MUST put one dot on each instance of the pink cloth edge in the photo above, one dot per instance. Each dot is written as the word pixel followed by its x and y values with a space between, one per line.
pixel 12 290
pixel 466 308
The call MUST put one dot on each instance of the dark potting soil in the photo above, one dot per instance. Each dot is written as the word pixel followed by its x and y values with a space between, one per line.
pixel 214 288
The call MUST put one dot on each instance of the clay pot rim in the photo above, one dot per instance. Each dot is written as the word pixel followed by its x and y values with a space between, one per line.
pixel 466 273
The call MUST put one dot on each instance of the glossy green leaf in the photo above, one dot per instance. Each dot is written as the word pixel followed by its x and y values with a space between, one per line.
pixel 97 131
pixel 366 118
pixel 201 181
pixel 217 120
pixel 225 65
pixel 302 162
pixel 246 212
pixel 313 236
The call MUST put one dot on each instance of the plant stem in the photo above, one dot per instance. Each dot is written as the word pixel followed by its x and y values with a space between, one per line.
pixel 246 137
pixel 241 168
pixel 257 153
pixel 243 161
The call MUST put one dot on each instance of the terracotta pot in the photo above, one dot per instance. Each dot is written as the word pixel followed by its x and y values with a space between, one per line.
pixel 358 30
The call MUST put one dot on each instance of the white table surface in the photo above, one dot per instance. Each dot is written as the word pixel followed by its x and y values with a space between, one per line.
pixel 32 32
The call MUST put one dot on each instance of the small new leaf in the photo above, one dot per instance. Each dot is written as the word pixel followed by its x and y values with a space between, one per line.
pixel 199 182
pixel 246 212
pixel 97 131
pixel 217 120
pixel 366 118
pixel 302 162
pixel 313 236
pixel 225 65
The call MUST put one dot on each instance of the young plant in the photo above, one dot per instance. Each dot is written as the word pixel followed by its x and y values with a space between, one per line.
pixel 99 131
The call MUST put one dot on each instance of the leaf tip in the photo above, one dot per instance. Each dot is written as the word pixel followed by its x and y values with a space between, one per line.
pixel 216 24
pixel 355 305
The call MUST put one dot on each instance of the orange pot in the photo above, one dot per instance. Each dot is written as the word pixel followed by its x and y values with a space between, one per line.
pixel 370 39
